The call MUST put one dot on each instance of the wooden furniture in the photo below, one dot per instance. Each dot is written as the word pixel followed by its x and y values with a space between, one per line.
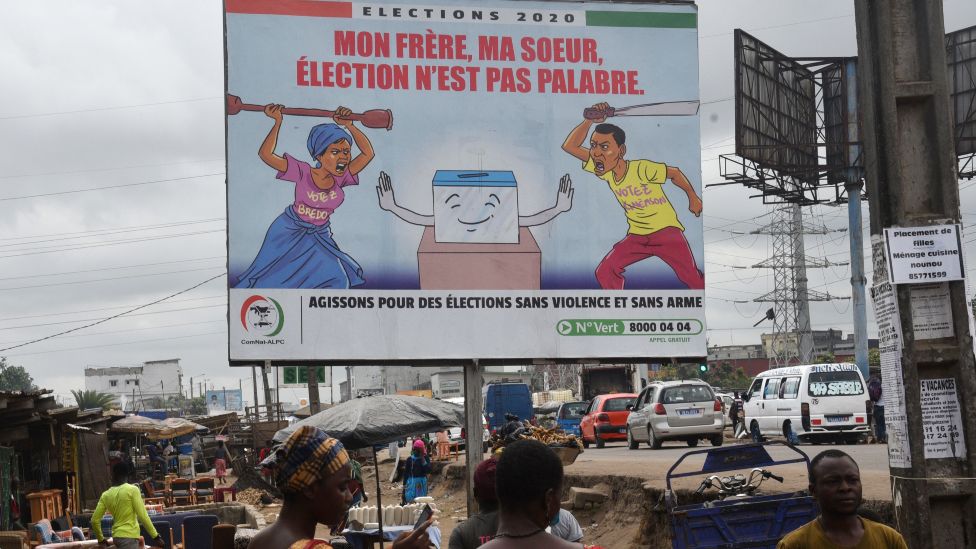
pixel 222 536
pixel 45 504
pixel 152 498
pixel 225 493
pixel 203 489
pixel 180 490
pixel 14 539
pixel 198 532
pixel 43 531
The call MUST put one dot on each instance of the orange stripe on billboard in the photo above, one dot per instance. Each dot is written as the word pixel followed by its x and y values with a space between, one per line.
pixel 306 8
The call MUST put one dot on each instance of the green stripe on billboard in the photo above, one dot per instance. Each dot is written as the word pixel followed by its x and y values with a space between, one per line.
pixel 641 19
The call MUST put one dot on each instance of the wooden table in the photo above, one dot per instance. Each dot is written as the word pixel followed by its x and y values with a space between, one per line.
pixel 221 493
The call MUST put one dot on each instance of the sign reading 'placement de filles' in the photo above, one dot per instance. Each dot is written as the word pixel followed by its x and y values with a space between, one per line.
pixel 932 253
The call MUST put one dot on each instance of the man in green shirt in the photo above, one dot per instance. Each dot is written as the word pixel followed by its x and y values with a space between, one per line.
pixel 124 502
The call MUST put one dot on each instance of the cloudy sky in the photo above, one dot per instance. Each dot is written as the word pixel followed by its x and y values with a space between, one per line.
pixel 112 181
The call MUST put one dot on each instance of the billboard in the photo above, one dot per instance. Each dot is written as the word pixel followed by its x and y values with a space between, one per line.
pixel 501 180
pixel 776 108
pixel 225 400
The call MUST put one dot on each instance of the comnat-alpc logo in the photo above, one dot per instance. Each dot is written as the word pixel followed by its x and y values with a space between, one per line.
pixel 262 316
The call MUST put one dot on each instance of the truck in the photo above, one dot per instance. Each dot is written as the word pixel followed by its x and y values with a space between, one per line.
pixel 601 379
pixel 505 397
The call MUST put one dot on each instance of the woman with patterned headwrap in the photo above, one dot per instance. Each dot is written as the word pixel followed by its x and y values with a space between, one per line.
pixel 313 472
pixel 298 250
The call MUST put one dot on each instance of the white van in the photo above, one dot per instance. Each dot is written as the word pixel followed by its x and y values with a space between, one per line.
pixel 813 402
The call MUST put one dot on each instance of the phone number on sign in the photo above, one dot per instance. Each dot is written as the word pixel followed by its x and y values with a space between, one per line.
pixel 927 276
pixel 663 327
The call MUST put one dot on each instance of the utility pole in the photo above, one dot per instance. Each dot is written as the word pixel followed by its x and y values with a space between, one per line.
pixel 911 171
pixel 267 390
pixel 853 185
pixel 313 390
pixel 474 429
pixel 254 387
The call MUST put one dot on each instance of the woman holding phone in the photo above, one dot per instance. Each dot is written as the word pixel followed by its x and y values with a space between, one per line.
pixel 313 473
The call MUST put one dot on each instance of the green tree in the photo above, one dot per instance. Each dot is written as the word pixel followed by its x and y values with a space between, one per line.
pixel 874 358
pixel 825 358
pixel 88 399
pixel 14 378
pixel 196 406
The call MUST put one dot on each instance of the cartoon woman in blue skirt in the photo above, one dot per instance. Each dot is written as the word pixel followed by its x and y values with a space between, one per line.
pixel 298 249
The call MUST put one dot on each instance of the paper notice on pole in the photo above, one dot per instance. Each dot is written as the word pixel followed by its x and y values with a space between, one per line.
pixel 931 311
pixel 890 345
pixel 941 419
pixel 932 253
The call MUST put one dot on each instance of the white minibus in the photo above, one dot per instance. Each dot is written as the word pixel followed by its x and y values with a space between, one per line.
pixel 810 403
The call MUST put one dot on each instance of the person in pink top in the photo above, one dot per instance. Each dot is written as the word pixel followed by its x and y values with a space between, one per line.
pixel 298 250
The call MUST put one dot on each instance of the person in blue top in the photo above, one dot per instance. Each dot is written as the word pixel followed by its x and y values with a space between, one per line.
pixel 415 473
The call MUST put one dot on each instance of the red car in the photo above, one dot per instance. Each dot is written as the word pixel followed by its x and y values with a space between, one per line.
pixel 605 419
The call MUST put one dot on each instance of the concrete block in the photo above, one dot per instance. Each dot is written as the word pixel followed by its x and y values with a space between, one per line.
pixel 580 497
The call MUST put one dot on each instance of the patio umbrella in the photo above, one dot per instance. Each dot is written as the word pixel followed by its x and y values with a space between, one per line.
pixel 137 424
pixel 176 426
pixel 381 419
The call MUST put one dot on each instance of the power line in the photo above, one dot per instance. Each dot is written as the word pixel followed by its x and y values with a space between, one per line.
pixel 111 243
pixel 106 231
pixel 111 186
pixel 180 325
pixel 112 169
pixel 143 275
pixel 114 268
pixel 195 286
pixel 119 344
pixel 117 107
pixel 25 326
pixel 113 308
pixel 780 26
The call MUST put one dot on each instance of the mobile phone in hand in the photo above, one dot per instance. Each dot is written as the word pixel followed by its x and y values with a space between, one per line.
pixel 425 515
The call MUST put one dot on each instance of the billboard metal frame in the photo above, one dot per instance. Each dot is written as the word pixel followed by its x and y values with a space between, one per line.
pixel 775 163
pixel 775 118
pixel 794 140
pixel 961 60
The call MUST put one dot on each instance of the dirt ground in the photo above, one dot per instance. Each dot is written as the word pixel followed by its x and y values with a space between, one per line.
pixel 609 525
pixel 632 517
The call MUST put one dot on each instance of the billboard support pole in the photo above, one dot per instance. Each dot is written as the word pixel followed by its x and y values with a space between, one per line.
pixel 908 139
pixel 311 375
pixel 473 427
pixel 857 277
pixel 267 390
pixel 254 386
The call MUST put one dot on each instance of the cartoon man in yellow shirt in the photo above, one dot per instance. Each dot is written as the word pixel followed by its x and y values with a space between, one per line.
pixel 654 229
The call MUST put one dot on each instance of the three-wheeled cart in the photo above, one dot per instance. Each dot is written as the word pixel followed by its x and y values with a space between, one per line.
pixel 738 521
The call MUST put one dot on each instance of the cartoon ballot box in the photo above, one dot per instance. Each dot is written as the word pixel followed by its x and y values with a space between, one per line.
pixel 476 207
pixel 465 266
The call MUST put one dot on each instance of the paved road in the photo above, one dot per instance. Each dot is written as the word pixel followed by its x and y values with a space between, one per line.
pixel 653 465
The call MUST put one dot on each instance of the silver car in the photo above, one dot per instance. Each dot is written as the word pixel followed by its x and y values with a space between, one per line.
pixel 676 410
